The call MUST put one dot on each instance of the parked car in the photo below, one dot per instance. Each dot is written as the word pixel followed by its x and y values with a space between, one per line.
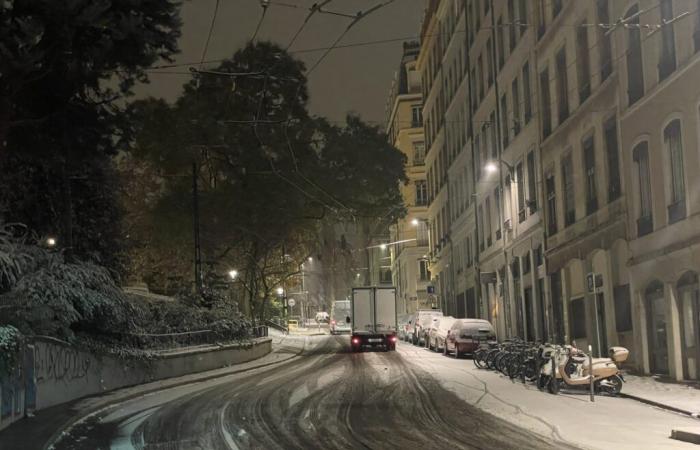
pixel 401 326
pixel 466 335
pixel 424 318
pixel 438 332
pixel 322 317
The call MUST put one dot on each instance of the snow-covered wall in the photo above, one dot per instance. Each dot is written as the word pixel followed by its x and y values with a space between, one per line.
pixel 63 373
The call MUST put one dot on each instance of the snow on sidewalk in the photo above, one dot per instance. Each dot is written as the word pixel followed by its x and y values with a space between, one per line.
pixel 609 422
pixel 676 395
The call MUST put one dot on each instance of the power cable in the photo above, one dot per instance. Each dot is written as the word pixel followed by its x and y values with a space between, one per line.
pixel 264 4
pixel 211 30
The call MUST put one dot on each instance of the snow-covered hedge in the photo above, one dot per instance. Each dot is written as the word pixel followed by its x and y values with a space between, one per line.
pixel 10 346
pixel 40 293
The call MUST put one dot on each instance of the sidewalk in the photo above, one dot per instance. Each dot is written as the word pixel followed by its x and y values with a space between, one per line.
pixel 609 422
pixel 37 431
pixel 679 397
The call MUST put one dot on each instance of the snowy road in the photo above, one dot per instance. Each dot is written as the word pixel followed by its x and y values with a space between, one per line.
pixel 325 398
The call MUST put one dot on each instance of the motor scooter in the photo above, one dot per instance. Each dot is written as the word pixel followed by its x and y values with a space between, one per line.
pixel 573 369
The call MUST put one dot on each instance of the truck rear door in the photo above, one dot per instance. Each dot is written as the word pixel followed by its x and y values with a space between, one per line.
pixel 362 310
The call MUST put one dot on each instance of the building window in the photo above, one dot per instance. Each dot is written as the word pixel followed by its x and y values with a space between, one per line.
pixel 480 76
pixel 635 69
pixel 583 65
pixel 527 266
pixel 623 308
pixel 526 93
pixel 589 170
pixel 416 116
pixel 418 153
pixel 497 204
pixel 531 186
pixel 551 204
pixel 674 150
pixel 567 176
pixel 667 56
pixel 492 142
pixel 505 121
pixel 562 85
pixel 577 310
pixel 546 105
pixel 640 154
pixel 500 46
pixel 421 193
pixel 481 228
pixel 515 92
pixel 696 33
pixel 477 156
pixel 556 7
pixel 487 220
pixel 513 27
pixel 613 158
pixel 541 20
pixel 605 46
pixel 520 179
pixel 489 62
pixel 538 256
pixel 423 271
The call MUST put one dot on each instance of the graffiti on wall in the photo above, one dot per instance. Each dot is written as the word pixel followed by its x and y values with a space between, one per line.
pixel 60 363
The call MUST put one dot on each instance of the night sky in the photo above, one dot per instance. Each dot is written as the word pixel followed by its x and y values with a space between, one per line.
pixel 353 79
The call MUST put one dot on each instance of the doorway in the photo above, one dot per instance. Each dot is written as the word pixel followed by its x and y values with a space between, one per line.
pixel 689 309
pixel 529 316
pixel 657 330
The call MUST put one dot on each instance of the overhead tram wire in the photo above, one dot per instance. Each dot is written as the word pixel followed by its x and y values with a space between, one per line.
pixel 264 4
pixel 211 30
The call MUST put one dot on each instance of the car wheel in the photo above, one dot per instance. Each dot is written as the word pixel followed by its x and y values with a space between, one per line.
pixel 444 349
pixel 456 351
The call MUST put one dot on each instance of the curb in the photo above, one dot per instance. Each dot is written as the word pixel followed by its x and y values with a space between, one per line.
pixel 84 414
pixel 693 415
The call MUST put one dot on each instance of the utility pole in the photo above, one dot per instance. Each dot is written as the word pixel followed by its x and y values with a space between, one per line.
pixel 197 243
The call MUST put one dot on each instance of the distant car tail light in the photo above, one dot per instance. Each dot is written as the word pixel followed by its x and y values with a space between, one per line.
pixel 355 340
pixel 332 322
pixel 393 339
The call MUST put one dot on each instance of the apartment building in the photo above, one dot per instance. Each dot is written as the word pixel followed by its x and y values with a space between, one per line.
pixel 659 114
pixel 561 154
pixel 409 263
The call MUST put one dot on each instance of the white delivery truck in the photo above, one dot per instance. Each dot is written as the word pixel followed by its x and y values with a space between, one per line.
pixel 374 321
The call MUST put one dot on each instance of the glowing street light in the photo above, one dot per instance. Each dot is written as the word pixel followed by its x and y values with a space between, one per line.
pixel 51 242
pixel 382 246
pixel 233 274
pixel 311 259
pixel 280 291
pixel 491 167
pixel 415 222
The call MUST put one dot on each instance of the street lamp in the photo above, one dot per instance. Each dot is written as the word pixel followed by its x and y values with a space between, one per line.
pixel 415 222
pixel 382 246
pixel 280 291
pixel 492 166
pixel 50 242
pixel 233 274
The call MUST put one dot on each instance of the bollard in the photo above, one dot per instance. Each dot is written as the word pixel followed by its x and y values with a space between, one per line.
pixel 590 371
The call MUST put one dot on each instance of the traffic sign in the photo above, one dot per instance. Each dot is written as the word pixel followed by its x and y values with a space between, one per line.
pixel 291 302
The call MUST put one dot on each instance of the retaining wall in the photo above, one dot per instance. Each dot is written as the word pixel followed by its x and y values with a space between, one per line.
pixel 55 372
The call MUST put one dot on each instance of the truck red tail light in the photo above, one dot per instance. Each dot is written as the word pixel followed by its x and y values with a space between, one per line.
pixel 393 338
pixel 355 340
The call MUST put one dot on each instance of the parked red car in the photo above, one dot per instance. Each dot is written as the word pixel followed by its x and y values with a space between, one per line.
pixel 466 335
